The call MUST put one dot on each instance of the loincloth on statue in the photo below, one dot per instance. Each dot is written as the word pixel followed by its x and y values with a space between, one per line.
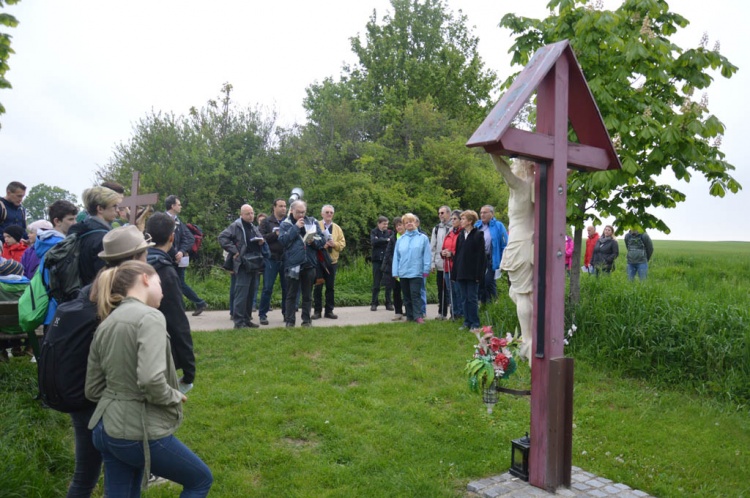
pixel 518 261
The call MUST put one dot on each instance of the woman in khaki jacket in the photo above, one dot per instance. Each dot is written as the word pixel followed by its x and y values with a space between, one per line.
pixel 131 377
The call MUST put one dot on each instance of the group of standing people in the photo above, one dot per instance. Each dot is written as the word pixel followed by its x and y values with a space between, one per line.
pixel 299 250
pixel 602 251
pixel 464 251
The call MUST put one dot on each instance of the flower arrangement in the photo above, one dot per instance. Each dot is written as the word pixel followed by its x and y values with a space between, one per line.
pixel 494 358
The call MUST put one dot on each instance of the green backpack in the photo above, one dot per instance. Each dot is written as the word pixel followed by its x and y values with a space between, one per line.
pixel 33 304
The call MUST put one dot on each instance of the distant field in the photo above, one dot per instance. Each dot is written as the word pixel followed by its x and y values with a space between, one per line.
pixel 698 247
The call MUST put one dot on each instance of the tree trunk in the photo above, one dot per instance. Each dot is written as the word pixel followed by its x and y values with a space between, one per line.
pixel 574 295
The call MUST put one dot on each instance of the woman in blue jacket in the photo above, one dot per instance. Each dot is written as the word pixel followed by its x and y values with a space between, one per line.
pixel 411 263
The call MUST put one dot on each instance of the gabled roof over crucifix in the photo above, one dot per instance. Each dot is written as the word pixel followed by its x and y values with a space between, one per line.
pixel 593 152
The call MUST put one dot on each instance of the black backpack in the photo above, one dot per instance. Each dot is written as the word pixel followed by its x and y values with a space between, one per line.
pixel 64 353
pixel 61 265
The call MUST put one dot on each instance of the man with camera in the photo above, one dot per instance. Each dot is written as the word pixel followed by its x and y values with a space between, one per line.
pixel 301 237
pixel 335 243
pixel 247 246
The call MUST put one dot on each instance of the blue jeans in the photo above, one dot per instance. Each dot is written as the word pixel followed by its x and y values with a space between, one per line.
pixel 457 300
pixel 640 268
pixel 245 287
pixel 187 291
pixel 411 289
pixel 469 290
pixel 273 269
pixel 124 463
pixel 88 459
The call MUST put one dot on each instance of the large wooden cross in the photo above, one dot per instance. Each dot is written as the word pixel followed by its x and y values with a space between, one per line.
pixel 563 96
pixel 136 199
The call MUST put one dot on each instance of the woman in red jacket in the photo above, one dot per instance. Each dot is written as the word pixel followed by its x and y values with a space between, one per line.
pixel 448 251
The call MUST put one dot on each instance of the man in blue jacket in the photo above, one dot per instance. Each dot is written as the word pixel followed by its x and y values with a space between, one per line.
pixel 302 238
pixel 495 240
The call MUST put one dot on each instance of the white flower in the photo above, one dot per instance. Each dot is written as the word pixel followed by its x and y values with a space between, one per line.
pixel 573 327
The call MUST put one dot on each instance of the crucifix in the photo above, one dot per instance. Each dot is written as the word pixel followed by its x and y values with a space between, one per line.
pixel 563 97
pixel 136 200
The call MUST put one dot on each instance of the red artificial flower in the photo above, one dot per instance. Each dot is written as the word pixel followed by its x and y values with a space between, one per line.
pixel 503 342
pixel 487 329
pixel 496 344
pixel 502 361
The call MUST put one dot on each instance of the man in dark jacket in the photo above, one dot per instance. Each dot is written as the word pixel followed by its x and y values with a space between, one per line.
pixel 160 227
pixel 379 237
pixel 640 248
pixel 183 241
pixel 242 240
pixel 269 228
pixel 302 238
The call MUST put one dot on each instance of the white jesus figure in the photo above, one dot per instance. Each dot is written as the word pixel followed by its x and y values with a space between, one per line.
pixel 518 257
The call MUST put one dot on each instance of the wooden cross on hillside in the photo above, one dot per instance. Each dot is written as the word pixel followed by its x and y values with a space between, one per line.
pixel 562 96
pixel 136 200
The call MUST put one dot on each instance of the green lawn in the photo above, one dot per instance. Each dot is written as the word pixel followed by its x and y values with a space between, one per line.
pixel 385 410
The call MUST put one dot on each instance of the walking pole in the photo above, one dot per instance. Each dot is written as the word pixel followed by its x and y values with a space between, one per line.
pixel 450 294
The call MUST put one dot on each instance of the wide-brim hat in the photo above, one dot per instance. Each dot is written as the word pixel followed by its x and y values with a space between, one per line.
pixel 122 242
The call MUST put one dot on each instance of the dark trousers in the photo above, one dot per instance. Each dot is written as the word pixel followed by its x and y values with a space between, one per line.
pixel 377 279
pixel 412 291
pixel 88 458
pixel 329 279
pixel 246 286
pixel 303 285
pixel 187 291
pixel 397 302
pixel 183 354
pixel 273 269
pixel 444 299
pixel 487 286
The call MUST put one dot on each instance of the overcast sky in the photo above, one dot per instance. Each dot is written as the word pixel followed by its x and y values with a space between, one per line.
pixel 85 72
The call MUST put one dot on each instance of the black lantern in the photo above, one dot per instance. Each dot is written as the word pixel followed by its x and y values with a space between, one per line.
pixel 519 457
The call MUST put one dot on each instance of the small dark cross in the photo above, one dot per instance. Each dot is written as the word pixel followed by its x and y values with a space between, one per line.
pixel 135 200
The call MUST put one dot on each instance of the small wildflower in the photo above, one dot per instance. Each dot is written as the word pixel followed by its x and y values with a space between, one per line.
pixel 717 46
pixel 704 40
pixel 584 452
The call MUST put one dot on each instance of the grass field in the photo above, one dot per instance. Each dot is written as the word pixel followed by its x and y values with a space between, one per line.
pixel 385 410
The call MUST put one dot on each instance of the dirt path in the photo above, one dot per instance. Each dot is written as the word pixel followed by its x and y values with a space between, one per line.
pixel 351 315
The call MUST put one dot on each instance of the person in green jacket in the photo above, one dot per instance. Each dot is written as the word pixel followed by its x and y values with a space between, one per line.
pixel 132 378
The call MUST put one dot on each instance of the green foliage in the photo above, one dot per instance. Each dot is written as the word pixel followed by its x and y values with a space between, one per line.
pixel 421 50
pixel 41 196
pixel 643 84
pixel 214 159
pixel 8 21
pixel 686 326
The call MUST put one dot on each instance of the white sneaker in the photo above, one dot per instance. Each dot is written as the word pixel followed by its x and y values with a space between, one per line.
pixel 184 388
pixel 154 480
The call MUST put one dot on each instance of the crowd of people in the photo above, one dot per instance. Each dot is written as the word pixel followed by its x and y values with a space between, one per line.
pixel 131 283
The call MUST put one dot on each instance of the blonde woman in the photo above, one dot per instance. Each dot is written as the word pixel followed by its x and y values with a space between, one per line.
pixel 131 376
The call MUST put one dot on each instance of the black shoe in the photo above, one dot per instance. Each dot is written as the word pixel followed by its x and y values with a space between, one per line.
pixel 199 309
pixel 316 315
pixel 252 325
pixel 307 324
pixel 389 307
pixel 263 320
pixel 331 316
pixel 289 324
pixel 374 307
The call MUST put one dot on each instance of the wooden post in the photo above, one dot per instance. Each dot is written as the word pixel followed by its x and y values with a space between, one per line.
pixel 562 95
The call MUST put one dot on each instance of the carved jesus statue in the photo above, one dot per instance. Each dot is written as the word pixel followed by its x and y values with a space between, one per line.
pixel 518 258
